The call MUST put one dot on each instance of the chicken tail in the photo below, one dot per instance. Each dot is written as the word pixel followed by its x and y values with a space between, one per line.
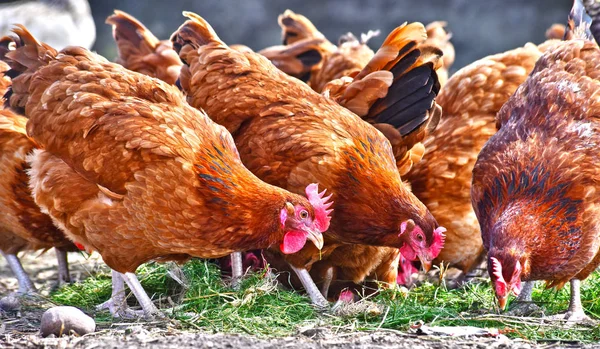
pixel 195 32
pixel 24 55
pixel 396 91
pixel 295 27
pixel 579 22
pixel 140 51
pixel 300 58
pixel 131 35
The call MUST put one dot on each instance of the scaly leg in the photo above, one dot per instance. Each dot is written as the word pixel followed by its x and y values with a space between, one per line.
pixel 117 304
pixel 63 267
pixel 327 282
pixel 575 312
pixel 150 310
pixel 237 270
pixel 25 284
pixel 524 305
pixel 311 289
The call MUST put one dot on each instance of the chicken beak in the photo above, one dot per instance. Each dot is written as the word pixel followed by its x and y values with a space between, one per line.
pixel 425 263
pixel 502 302
pixel 316 237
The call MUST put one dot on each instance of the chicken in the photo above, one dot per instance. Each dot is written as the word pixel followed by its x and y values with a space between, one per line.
pixel 59 23
pixel 23 227
pixel 535 181
pixel 128 169
pixel 141 51
pixel 348 60
pixel 442 180
pixel 288 135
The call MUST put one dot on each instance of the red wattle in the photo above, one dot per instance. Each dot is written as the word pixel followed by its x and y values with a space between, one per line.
pixel 293 242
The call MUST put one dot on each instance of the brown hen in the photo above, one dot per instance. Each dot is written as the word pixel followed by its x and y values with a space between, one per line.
pixel 130 170
pixel 442 180
pixel 288 135
pixel 23 227
pixel 535 181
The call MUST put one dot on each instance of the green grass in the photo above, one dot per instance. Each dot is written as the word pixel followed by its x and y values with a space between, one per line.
pixel 262 308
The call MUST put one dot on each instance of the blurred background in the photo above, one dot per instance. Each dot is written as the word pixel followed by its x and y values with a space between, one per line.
pixel 479 27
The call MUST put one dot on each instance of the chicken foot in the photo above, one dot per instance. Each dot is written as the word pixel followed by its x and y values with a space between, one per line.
pixel 524 305
pixel 575 313
pixel 148 307
pixel 117 304
pixel 63 267
pixel 311 289
pixel 237 270
pixel 25 283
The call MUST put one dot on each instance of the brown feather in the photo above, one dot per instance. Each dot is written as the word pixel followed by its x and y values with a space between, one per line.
pixel 140 51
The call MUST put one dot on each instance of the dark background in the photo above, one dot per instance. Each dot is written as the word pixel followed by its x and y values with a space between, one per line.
pixel 479 27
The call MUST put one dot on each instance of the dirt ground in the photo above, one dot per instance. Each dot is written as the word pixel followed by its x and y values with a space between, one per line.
pixel 20 329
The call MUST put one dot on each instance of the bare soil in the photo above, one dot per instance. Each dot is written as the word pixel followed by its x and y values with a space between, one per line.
pixel 21 329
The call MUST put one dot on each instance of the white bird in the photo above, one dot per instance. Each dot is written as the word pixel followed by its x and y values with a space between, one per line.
pixel 59 23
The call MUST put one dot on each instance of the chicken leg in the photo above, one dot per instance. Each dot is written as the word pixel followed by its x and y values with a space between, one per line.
pixel 237 270
pixel 524 305
pixel 311 289
pixel 575 312
pixel 25 284
pixel 327 282
pixel 117 304
pixel 149 309
pixel 63 267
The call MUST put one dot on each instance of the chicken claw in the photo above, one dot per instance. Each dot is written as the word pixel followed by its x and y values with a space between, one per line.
pixel 575 314
pixel 117 304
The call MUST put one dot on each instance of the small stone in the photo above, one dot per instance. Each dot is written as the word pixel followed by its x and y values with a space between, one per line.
pixel 66 320
pixel 10 303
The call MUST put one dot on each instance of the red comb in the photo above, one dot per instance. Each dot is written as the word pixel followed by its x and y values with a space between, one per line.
pixel 438 241
pixel 321 206
pixel 497 269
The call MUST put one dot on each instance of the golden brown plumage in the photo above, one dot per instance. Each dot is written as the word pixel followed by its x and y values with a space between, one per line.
pixel 140 51
pixel 23 227
pixel 288 135
pixel 130 170
pixel 535 181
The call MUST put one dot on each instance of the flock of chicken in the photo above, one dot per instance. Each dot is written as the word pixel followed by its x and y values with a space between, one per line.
pixel 193 148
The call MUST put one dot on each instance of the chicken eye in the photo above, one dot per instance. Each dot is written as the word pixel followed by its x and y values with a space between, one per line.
pixel 419 237
pixel 303 214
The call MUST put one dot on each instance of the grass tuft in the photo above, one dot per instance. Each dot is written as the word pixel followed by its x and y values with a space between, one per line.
pixel 263 308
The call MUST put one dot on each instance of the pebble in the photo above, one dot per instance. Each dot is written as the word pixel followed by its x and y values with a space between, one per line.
pixel 10 303
pixel 66 320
